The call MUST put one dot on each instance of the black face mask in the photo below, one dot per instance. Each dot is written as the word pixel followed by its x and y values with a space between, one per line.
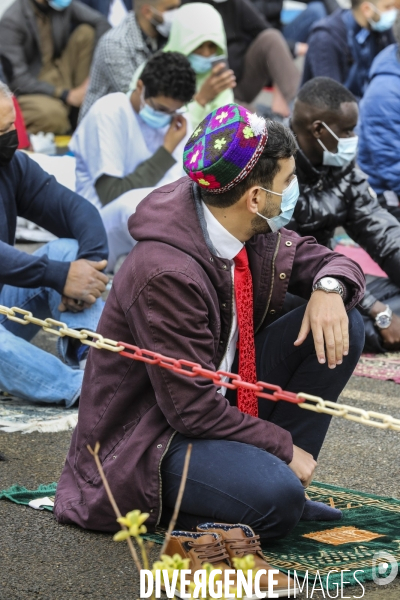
pixel 8 145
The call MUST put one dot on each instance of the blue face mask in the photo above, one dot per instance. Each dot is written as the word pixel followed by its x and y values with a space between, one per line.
pixel 200 64
pixel 59 4
pixel 346 150
pixel 386 21
pixel 289 199
pixel 154 118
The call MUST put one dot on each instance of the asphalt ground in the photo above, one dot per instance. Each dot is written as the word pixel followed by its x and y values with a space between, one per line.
pixel 42 560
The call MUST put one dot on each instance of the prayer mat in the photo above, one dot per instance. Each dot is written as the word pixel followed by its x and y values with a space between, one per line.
pixel 362 258
pixel 379 366
pixel 370 524
pixel 21 415
pixel 42 498
pixel 317 550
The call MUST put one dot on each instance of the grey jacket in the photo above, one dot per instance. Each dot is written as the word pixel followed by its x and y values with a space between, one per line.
pixel 20 45
pixel 115 61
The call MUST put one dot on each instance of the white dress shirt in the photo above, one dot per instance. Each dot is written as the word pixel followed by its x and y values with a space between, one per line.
pixel 226 246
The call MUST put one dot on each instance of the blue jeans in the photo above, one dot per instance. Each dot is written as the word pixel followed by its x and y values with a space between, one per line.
pixel 27 371
pixel 231 482
pixel 299 28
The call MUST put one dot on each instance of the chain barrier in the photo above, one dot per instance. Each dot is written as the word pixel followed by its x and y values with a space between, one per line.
pixel 191 369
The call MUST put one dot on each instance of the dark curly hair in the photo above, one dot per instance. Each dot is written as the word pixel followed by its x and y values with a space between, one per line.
pixel 169 74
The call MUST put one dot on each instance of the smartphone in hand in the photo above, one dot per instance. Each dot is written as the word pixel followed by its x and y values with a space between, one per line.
pixel 218 60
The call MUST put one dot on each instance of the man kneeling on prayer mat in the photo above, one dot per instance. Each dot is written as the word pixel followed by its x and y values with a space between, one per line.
pixel 206 283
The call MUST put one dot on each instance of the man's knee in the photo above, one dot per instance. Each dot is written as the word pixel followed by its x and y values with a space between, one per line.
pixel 43 113
pixel 270 38
pixel 64 249
pixel 317 9
pixel 83 36
pixel 284 507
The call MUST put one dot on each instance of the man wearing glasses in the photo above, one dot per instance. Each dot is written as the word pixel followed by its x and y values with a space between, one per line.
pixel 134 141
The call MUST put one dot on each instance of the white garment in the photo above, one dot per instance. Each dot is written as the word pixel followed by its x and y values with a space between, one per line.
pixel 63 169
pixel 117 13
pixel 115 217
pixel 226 246
pixel 113 140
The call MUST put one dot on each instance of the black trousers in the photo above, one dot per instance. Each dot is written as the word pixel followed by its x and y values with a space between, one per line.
pixel 233 482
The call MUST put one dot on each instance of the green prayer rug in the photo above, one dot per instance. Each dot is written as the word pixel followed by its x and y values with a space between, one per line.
pixel 20 495
pixel 370 524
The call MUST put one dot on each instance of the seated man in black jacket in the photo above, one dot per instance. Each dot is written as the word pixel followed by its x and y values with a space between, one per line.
pixel 334 192
pixel 46 49
pixel 64 276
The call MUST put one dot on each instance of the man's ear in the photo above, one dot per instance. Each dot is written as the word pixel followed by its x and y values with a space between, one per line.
pixel 367 10
pixel 316 129
pixel 146 11
pixel 253 199
pixel 139 86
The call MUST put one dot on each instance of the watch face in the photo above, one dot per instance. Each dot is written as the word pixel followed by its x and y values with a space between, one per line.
pixel 383 321
pixel 329 283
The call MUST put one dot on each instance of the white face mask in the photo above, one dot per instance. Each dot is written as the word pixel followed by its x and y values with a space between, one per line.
pixel 289 196
pixel 345 153
pixel 386 21
pixel 168 17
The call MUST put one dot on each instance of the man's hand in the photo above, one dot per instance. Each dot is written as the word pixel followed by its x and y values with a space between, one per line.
pixel 303 465
pixel 72 305
pixel 220 79
pixel 391 335
pixel 326 317
pixel 85 283
pixel 175 134
pixel 77 95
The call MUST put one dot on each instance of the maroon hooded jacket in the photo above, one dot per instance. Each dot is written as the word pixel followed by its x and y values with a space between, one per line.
pixel 173 295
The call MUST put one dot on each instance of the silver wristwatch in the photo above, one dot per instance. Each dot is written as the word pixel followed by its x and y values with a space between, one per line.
pixel 384 318
pixel 330 285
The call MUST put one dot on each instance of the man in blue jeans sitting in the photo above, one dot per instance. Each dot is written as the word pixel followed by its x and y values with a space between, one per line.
pixel 63 279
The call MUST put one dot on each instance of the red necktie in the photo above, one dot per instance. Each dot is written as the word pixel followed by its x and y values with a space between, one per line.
pixel 247 400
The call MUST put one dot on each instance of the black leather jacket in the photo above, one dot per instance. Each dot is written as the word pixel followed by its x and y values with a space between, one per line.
pixel 331 197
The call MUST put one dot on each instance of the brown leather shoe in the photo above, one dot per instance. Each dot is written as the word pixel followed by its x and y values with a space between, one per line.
pixel 240 541
pixel 200 548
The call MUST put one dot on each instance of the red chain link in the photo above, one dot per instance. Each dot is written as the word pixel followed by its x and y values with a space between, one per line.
pixel 192 369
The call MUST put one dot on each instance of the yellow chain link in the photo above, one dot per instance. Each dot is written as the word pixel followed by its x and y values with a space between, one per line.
pixel 313 403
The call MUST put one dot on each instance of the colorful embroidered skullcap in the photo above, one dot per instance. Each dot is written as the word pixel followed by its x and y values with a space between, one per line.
pixel 224 148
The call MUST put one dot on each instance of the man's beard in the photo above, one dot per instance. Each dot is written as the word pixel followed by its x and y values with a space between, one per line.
pixel 259 225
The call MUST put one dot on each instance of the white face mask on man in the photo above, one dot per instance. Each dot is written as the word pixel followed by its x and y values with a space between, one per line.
pixel 164 27
pixel 345 153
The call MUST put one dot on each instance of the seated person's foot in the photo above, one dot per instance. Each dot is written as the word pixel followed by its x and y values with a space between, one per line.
pixel 240 541
pixel 317 511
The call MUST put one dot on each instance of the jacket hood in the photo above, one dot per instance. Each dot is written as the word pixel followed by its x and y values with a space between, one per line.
pixel 387 62
pixel 169 216
pixel 193 25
